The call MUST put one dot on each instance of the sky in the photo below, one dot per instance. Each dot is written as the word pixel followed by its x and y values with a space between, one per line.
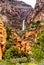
pixel 30 2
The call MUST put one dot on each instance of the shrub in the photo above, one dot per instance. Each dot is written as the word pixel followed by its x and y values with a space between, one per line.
pixel 19 60
pixel 38 49
pixel 37 53
pixel 8 44
pixel 41 62
pixel 13 52
pixel 8 29
pixel 4 62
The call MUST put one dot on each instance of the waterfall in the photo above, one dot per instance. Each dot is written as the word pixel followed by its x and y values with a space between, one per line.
pixel 23 25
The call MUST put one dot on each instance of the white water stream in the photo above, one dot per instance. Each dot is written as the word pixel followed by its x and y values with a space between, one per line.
pixel 23 25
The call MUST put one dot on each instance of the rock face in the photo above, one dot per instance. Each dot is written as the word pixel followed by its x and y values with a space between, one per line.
pixel 38 13
pixel 39 9
pixel 39 1
pixel 3 37
pixel 15 13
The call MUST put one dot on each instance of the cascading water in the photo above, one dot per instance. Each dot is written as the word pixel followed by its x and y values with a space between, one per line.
pixel 23 25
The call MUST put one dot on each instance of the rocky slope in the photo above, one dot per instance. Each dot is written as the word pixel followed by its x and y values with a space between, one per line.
pixel 13 12
pixel 38 13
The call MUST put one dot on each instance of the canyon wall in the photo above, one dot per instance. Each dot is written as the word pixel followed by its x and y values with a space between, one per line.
pixel 38 13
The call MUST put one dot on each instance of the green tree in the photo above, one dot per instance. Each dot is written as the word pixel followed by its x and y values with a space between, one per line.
pixel 38 49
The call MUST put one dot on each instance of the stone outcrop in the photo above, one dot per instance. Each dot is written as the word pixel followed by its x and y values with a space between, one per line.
pixel 38 13
pixel 39 9
pixel 15 13
pixel 3 37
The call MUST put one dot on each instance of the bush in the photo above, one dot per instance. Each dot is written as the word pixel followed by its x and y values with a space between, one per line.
pixel 13 52
pixel 19 60
pixel 40 39
pixel 37 53
pixel 41 62
pixel 4 62
pixel 38 49
pixel 8 29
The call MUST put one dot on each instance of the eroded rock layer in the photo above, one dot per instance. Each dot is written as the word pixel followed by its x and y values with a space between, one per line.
pixel 38 13
pixel 3 37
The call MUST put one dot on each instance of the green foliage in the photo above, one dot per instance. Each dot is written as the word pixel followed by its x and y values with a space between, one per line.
pixel 13 55
pixel 20 33
pixel 40 39
pixel 38 49
pixel 8 44
pixel 19 60
pixel 13 52
pixel 8 29
pixel 37 53
pixel 41 62
pixel 4 62
pixel 34 25
pixel 9 38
